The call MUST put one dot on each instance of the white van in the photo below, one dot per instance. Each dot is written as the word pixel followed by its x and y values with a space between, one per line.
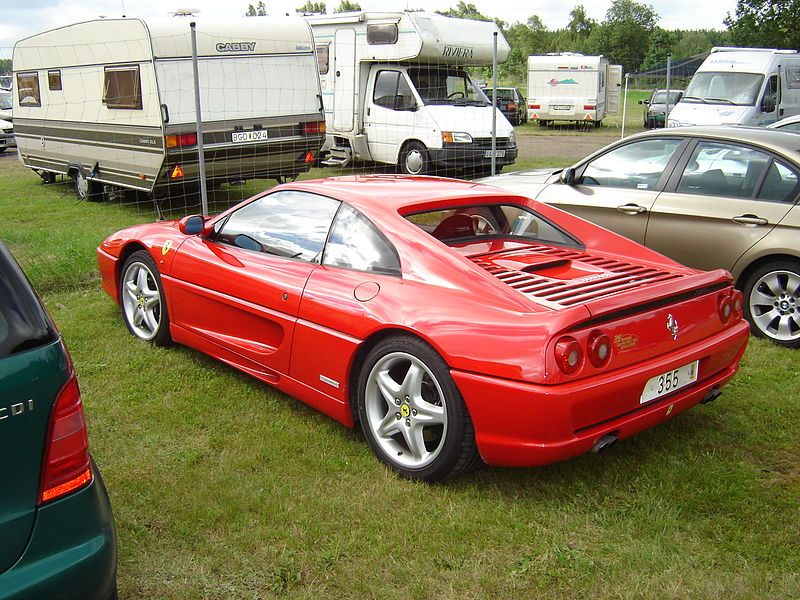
pixel 395 91
pixel 111 103
pixel 741 86
pixel 572 87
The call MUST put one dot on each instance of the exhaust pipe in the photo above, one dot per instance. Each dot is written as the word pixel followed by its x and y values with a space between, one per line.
pixel 605 443
pixel 711 396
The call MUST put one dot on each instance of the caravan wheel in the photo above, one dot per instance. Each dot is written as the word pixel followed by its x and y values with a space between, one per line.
pixel 86 189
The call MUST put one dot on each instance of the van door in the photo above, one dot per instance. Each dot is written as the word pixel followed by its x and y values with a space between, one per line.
pixel 391 111
pixel 770 100
pixel 344 73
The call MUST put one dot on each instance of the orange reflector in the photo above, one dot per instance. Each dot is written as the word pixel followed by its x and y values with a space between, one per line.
pixel 309 158
pixel 67 487
pixel 587 118
pixel 177 172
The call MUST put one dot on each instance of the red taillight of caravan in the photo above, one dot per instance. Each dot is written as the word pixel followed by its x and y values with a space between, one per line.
pixel 181 140
pixel 314 127
pixel 589 107
pixel 534 106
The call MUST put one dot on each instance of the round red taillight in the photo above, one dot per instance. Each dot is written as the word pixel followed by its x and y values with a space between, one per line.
pixel 569 355
pixel 725 308
pixel 599 349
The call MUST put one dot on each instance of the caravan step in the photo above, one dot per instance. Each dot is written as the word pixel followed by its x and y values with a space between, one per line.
pixel 339 156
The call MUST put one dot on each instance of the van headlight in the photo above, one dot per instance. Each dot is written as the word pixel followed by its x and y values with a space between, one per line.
pixel 512 140
pixel 456 137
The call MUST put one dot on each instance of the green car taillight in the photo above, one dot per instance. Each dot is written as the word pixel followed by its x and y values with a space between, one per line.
pixel 66 464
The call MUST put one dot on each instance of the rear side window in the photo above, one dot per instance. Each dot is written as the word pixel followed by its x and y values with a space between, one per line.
pixel 28 89
pixel 23 323
pixel 355 243
pixel 717 169
pixel 780 184
pixel 122 87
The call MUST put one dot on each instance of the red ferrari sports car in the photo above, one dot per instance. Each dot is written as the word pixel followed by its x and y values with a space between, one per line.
pixel 455 321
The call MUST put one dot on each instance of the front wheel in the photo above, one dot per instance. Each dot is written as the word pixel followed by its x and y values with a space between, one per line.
pixel 414 159
pixel 772 302
pixel 412 413
pixel 144 305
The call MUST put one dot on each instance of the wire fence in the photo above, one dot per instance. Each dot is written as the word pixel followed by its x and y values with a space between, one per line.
pixel 109 109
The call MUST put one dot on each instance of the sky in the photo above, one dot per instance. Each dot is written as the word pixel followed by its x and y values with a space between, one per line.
pixel 21 18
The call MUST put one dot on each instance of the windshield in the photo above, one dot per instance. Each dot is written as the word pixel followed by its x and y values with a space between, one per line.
pixel 661 97
pixel 5 100
pixel 724 88
pixel 446 86
pixel 501 93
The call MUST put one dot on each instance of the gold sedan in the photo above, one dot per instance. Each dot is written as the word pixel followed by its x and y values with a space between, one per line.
pixel 708 197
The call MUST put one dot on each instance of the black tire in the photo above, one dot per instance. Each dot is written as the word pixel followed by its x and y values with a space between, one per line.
pixel 414 159
pixel 544 123
pixel 85 188
pixel 772 292
pixel 134 302
pixel 452 450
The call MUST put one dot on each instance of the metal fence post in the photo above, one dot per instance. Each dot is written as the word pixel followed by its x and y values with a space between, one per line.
pixel 199 124
pixel 669 84
pixel 494 103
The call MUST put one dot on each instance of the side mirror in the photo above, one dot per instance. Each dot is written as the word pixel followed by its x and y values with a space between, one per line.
pixel 768 104
pixel 568 176
pixel 642 101
pixel 191 225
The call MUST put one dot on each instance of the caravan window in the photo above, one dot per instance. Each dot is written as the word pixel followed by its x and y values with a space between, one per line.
pixel 28 89
pixel 323 55
pixel 382 34
pixel 54 80
pixel 122 87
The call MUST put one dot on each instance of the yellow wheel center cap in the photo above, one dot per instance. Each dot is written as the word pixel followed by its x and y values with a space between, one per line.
pixel 404 410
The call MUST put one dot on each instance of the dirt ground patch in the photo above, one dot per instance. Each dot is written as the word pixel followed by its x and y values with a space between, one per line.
pixel 572 147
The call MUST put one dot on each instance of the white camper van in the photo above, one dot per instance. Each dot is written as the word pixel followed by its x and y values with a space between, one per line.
pixel 395 91
pixel 111 102
pixel 572 87
pixel 741 86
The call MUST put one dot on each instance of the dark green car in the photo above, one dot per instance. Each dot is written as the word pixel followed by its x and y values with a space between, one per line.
pixel 57 537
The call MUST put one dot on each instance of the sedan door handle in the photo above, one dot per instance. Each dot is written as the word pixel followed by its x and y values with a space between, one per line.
pixel 631 209
pixel 751 220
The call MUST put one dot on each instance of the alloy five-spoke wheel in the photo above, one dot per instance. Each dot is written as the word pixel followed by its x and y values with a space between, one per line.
pixel 412 413
pixel 772 302
pixel 142 299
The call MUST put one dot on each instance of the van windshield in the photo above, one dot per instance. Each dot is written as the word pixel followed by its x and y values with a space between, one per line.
pixel 724 88
pixel 446 86
pixel 5 100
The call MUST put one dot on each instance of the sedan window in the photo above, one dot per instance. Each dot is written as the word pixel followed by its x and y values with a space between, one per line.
pixel 288 223
pixel 780 185
pixel 717 169
pixel 355 243
pixel 638 165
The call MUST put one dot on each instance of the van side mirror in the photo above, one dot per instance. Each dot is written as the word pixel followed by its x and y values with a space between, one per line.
pixel 191 225
pixel 568 176
pixel 768 104
pixel 643 102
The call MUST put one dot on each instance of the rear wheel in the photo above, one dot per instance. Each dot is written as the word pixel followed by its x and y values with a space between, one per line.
pixel 412 413
pixel 414 159
pixel 772 302
pixel 142 297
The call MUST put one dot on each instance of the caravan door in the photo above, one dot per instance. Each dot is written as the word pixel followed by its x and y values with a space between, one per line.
pixel 344 72
pixel 613 88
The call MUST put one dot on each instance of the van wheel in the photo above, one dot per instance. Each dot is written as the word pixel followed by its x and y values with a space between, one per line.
pixel 414 159
pixel 86 189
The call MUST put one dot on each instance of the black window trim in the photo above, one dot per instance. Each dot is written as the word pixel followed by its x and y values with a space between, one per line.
pixel 674 180
pixel 666 175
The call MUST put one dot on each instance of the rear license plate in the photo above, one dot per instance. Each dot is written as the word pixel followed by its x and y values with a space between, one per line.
pixel 249 136
pixel 561 107
pixel 497 153
pixel 668 382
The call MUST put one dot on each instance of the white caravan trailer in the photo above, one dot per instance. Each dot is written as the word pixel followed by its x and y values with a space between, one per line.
pixel 111 102
pixel 741 86
pixel 395 91
pixel 572 87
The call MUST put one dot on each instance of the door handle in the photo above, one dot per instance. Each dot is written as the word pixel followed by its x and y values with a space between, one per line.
pixel 631 209
pixel 749 220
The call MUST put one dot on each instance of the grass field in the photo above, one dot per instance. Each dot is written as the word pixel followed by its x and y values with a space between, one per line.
pixel 223 488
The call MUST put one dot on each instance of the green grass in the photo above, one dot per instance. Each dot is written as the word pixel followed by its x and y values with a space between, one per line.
pixel 223 488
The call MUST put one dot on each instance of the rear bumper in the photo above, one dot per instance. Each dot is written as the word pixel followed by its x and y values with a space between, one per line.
pixel 72 553
pixel 471 156
pixel 521 424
